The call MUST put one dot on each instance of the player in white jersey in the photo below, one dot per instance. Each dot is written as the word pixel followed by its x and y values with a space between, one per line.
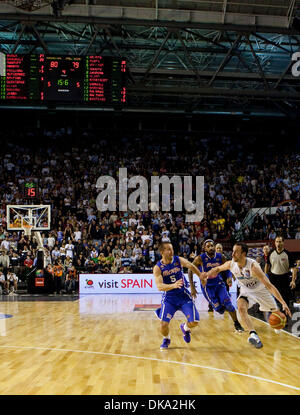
pixel 255 288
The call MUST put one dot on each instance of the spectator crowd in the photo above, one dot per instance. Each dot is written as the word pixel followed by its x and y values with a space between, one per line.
pixel 238 176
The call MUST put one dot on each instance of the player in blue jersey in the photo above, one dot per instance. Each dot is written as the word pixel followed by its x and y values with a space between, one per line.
pixel 170 279
pixel 215 290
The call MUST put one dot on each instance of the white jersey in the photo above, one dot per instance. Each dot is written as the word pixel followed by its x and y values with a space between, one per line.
pixel 244 275
pixel 252 289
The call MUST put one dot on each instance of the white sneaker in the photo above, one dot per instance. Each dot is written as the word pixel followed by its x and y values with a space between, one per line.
pixel 255 341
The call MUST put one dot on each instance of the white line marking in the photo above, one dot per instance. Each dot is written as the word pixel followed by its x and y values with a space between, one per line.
pixel 156 360
pixel 282 331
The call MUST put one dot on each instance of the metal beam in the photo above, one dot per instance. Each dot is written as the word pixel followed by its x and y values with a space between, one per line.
pixel 39 38
pixel 284 73
pixel 214 92
pixel 290 12
pixel 257 63
pixel 269 42
pixel 219 44
pixel 187 54
pixel 224 11
pixel 86 51
pixel 147 23
pixel 225 60
pixel 148 47
pixel 254 76
pixel 156 56
pixel 19 38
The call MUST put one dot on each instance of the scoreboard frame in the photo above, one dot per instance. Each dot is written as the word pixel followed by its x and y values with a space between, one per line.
pixel 42 78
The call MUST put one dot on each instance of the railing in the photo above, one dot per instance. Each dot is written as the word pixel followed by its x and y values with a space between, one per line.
pixel 24 272
pixel 249 218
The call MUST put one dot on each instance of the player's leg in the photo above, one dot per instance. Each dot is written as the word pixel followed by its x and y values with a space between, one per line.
pixel 192 319
pixel 7 287
pixel 225 300
pixel 165 313
pixel 267 304
pixel 209 294
pixel 164 329
pixel 204 292
pixel 4 287
pixel 243 305
pixel 11 288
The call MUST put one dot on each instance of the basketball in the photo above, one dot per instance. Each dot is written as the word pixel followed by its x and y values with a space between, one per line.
pixel 277 320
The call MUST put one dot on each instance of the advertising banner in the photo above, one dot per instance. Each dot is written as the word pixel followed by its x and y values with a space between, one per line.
pixel 125 284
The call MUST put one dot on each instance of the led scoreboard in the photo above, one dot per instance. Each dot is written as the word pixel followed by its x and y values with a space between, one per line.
pixel 44 78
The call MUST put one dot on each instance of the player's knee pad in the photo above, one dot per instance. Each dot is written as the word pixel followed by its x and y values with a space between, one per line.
pixel 220 309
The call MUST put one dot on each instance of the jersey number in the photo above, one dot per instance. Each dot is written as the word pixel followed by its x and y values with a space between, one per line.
pixel 173 279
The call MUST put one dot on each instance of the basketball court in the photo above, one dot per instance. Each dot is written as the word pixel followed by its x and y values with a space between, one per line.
pixel 109 345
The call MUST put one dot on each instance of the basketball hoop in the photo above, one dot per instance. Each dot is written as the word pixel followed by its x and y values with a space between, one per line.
pixel 27 229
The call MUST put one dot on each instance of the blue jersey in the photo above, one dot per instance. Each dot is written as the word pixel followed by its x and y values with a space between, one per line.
pixel 171 273
pixel 208 264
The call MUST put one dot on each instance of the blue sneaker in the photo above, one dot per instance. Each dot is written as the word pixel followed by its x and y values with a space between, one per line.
pixel 165 344
pixel 186 334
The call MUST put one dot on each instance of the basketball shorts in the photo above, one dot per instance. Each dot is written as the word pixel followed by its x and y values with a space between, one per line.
pixel 217 295
pixel 169 306
pixel 261 296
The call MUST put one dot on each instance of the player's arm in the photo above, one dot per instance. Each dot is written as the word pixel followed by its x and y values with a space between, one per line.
pixel 160 284
pixel 257 272
pixel 197 262
pixel 229 275
pixel 187 264
pixel 215 271
pixel 267 264
pixel 294 277
pixel 293 270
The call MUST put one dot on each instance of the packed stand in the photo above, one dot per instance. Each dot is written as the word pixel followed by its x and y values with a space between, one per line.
pixel 83 239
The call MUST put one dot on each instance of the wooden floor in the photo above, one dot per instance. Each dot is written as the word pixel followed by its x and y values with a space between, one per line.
pixel 98 345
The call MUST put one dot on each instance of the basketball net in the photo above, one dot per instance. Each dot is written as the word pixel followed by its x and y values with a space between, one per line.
pixel 27 229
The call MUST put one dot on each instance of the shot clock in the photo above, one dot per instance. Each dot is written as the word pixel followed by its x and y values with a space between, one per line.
pixel 31 190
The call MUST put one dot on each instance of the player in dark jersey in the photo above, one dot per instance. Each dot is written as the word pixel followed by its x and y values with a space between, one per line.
pixel 215 290
pixel 170 279
pixel 224 274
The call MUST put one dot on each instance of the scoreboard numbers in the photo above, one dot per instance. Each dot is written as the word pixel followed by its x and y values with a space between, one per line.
pixel 74 79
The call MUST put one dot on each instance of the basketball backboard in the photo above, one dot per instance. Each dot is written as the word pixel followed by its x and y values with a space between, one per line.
pixel 20 216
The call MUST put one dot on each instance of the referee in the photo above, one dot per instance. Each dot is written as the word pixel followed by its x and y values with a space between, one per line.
pixel 279 263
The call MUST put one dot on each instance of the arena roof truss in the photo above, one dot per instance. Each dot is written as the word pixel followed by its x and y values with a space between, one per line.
pixel 193 56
